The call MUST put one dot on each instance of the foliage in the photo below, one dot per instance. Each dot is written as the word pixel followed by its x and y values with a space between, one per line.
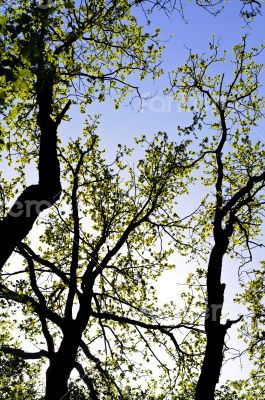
pixel 18 379
pixel 86 51
pixel 226 110
pixel 101 248
pixel 253 332
pixel 84 291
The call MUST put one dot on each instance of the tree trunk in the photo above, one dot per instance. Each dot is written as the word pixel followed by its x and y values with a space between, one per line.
pixel 64 361
pixel 215 331
pixel 15 226
pixel 212 363
pixel 57 377
pixel 60 368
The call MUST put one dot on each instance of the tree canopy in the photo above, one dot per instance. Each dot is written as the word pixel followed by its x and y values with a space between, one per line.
pixel 80 297
pixel 52 57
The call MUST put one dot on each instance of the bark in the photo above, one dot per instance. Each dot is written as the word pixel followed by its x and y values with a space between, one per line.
pixel 215 331
pixel 15 226
pixel 64 360
pixel 61 365
pixel 212 363
pixel 34 199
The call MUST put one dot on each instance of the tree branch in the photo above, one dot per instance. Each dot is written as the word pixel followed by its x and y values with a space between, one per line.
pixel 24 354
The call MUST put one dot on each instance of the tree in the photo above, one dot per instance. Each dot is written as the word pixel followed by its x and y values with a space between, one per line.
pixel 234 169
pixel 50 54
pixel 52 57
pixel 109 238
pixel 87 286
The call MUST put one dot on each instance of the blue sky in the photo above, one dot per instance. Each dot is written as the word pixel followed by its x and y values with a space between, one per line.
pixel 120 126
